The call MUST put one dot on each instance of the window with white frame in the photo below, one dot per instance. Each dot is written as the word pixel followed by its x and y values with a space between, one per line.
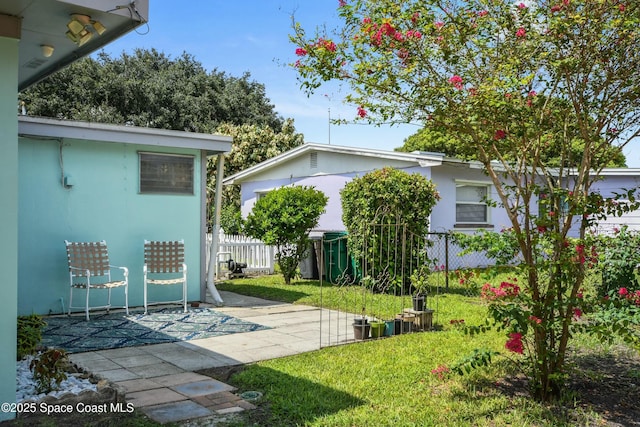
pixel 471 202
pixel 261 193
pixel 162 173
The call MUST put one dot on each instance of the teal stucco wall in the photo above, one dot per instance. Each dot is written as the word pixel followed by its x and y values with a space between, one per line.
pixel 8 218
pixel 103 203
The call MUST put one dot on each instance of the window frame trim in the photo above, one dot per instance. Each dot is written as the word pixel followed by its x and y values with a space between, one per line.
pixel 166 191
pixel 467 224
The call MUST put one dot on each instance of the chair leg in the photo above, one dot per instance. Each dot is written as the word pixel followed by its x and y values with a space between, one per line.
pixel 184 294
pixel 70 300
pixel 86 304
pixel 145 294
pixel 108 300
pixel 126 299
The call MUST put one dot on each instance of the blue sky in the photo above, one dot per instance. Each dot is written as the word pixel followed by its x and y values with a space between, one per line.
pixel 252 36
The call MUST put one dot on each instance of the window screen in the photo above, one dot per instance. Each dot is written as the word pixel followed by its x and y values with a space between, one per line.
pixel 166 173
pixel 471 206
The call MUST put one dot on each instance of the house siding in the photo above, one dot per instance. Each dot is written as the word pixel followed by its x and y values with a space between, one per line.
pixel 443 215
pixel 103 203
pixel 330 171
pixel 329 184
pixel 8 219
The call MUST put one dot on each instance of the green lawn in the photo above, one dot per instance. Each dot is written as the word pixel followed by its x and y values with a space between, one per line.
pixel 388 382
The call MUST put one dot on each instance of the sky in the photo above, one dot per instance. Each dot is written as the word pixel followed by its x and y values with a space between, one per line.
pixel 253 36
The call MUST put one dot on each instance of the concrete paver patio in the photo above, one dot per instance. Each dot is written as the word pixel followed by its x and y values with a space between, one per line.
pixel 159 379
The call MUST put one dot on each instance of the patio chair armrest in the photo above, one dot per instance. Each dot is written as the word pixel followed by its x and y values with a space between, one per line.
pixel 184 267
pixel 125 270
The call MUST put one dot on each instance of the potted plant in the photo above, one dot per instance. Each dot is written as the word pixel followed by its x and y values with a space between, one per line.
pixel 420 286
pixel 361 326
pixel 377 328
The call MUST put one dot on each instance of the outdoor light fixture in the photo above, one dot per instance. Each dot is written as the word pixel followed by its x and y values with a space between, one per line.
pixel 47 50
pixel 81 27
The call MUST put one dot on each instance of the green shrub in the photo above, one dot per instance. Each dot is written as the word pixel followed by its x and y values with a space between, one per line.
pixel 29 334
pixel 49 369
pixel 231 219
pixel 374 205
pixel 283 218
pixel 618 258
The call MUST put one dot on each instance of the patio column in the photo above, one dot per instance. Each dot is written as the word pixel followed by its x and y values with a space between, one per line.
pixel 10 28
pixel 215 232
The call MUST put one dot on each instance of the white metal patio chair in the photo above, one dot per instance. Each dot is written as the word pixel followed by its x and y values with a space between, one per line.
pixel 89 269
pixel 164 266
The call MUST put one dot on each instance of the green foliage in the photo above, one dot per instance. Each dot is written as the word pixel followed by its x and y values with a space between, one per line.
pixel 150 89
pixel 437 140
pixel 421 279
pixel 405 378
pixel 283 218
pixel 377 202
pixel 618 257
pixel 502 247
pixel 511 84
pixel 619 317
pixel 49 369
pixel 478 358
pixel 29 334
pixel 231 219
pixel 252 144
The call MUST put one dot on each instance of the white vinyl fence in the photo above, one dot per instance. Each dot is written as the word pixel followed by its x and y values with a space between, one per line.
pixel 258 256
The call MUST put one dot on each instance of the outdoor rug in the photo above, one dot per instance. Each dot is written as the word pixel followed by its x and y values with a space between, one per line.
pixel 115 330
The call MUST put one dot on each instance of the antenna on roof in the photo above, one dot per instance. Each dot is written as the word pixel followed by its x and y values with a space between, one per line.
pixel 329 125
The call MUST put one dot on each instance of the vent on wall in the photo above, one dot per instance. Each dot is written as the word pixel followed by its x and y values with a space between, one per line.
pixel 313 160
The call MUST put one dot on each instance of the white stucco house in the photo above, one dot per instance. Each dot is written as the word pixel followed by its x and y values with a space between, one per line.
pixel 463 185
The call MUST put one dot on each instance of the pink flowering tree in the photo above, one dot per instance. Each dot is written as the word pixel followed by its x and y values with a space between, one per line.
pixel 509 80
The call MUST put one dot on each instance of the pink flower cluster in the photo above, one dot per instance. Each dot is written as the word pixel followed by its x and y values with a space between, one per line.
pixel 558 7
pixel 440 371
pixel 362 113
pixel 327 44
pixel 582 257
pixel 456 81
pixel 500 134
pixel 505 290
pixel 514 343
pixel 632 297
pixel 534 319
pixel 378 33
pixel 321 43
pixel 456 322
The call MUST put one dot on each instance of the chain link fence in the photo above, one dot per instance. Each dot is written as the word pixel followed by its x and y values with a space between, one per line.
pixel 386 264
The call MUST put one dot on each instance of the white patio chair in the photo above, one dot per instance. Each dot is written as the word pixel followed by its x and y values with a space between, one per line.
pixel 89 269
pixel 164 266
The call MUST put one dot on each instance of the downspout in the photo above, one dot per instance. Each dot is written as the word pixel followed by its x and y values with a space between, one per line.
pixel 215 233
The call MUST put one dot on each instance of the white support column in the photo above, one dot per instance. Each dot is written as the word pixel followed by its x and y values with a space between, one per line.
pixel 10 29
pixel 215 232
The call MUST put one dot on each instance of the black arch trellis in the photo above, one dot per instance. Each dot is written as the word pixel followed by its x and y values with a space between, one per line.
pixel 386 261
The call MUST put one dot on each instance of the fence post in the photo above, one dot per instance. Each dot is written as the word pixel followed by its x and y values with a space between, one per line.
pixel 446 261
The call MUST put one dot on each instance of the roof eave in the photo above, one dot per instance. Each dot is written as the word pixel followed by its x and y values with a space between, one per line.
pixel 424 160
pixel 53 128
